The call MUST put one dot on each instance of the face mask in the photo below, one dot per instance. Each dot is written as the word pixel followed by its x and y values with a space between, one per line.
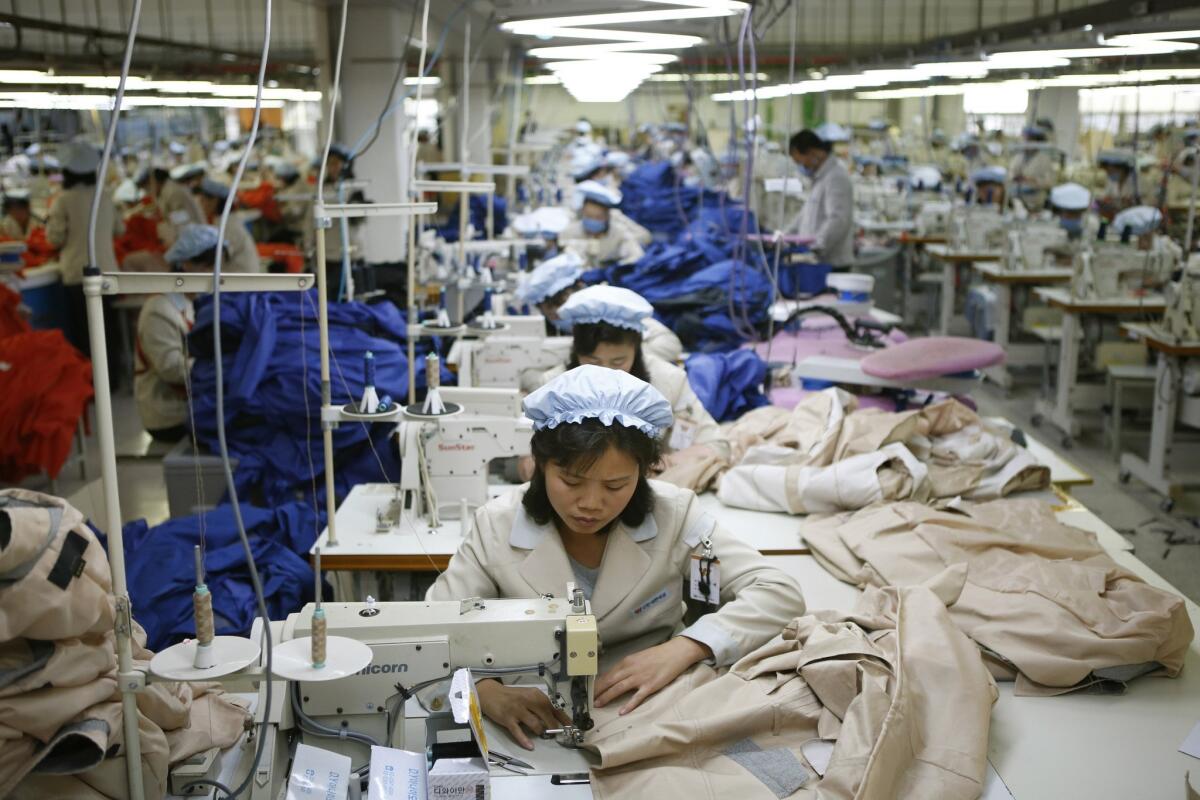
pixel 805 171
pixel 594 226
pixel 1071 225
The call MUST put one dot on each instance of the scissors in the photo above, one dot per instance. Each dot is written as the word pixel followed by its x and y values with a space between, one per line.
pixel 509 763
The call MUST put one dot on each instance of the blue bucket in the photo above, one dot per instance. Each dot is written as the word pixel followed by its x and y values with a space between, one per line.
pixel 44 294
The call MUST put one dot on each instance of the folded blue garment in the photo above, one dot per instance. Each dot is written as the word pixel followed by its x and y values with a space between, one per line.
pixel 477 217
pixel 728 384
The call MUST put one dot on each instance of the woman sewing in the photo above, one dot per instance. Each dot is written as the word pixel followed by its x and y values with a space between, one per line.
pixel 591 516
pixel 608 328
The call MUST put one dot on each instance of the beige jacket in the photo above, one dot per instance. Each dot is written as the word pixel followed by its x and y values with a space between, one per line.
pixel 617 245
pixel 639 594
pixel 826 456
pixel 67 226
pixel 901 695
pixel 60 710
pixel 639 233
pixel 1048 606
pixel 11 229
pixel 161 362
pixel 243 254
pixel 178 207
pixel 661 342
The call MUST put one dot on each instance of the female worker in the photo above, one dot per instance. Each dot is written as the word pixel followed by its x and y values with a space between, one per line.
pixel 67 230
pixel 595 234
pixel 160 377
pixel 607 324
pixel 553 282
pixel 591 516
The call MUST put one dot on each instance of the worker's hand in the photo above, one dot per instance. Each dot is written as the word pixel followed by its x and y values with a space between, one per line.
pixel 646 672
pixel 516 708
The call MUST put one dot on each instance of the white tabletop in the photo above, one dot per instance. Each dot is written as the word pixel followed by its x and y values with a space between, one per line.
pixel 997 269
pixel 945 251
pixel 1054 294
pixel 765 531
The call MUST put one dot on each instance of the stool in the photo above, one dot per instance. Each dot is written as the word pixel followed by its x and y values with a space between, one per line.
pixel 1119 377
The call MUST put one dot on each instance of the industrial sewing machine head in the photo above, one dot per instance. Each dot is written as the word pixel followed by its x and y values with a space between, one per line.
pixel 445 457
pixel 978 229
pixel 1029 246
pixel 1111 269
pixel 416 648
pixel 933 217
pixel 1181 319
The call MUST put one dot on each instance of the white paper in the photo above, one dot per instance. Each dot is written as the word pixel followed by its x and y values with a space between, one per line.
pixel 818 752
pixel 683 433
pixel 1191 745
pixel 396 775
pixel 993 787
pixel 318 775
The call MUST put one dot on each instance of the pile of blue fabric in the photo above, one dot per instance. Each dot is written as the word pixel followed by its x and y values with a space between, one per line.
pixel 161 575
pixel 707 285
pixel 271 360
pixel 728 384
pixel 477 217
pixel 653 197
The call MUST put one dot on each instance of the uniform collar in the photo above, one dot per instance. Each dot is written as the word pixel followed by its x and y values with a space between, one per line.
pixel 527 534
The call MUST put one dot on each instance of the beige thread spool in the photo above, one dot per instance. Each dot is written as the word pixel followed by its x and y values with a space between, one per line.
pixel 202 608
pixel 318 617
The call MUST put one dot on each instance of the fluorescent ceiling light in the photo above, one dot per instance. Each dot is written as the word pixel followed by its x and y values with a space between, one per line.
pixel 953 69
pixel 1028 60
pixel 1155 36
pixel 896 75
pixel 989 98
pixel 549 26
pixel 704 77
pixel 430 81
pixel 536 80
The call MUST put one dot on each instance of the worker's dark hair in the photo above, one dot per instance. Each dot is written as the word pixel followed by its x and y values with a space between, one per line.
pixel 806 140
pixel 159 174
pixel 577 446
pixel 587 337
pixel 9 202
pixel 78 179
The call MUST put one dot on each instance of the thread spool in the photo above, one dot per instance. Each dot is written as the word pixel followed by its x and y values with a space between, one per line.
pixel 206 656
pixel 318 619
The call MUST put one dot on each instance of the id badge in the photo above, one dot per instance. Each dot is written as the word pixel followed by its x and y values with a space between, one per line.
pixel 706 580
pixel 683 433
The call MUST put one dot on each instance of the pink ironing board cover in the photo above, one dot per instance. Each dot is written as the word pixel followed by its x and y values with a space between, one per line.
pixel 931 357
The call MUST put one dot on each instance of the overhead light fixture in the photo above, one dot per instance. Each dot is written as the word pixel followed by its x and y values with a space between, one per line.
pixel 1157 36
pixel 608 73
pixel 953 69
pixel 540 80
pixel 1028 60
pixel 704 77
pixel 430 81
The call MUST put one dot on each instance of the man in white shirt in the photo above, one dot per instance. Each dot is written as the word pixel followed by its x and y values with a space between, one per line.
pixel 828 214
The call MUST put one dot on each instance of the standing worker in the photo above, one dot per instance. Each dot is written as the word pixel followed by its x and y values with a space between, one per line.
pixel 67 230
pixel 1034 170
pixel 828 214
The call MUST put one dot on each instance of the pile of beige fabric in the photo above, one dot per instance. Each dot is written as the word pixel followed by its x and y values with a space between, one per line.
pixel 61 731
pixel 826 456
pixel 1048 607
pixel 894 686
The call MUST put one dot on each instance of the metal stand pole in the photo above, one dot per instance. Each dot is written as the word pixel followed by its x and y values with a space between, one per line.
pixel 326 391
pixel 130 680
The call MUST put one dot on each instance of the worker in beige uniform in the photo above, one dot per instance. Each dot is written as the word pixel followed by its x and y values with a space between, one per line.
pixel 607 325
pixel 340 167
pixel 172 192
pixel 1034 171
pixel 67 230
pixel 591 516
pixel 160 380
pixel 243 253
pixel 1120 189
pixel 553 282
pixel 594 235
pixel 18 220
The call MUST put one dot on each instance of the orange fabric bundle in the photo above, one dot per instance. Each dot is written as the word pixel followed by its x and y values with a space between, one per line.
pixel 262 198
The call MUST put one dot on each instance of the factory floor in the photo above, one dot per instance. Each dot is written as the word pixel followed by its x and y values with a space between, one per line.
pixel 1168 543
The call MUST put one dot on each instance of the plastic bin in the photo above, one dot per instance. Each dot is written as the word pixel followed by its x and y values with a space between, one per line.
pixel 180 470
pixel 42 290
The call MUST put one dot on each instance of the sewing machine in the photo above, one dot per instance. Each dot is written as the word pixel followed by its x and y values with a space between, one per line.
pixel 933 217
pixel 881 200
pixel 977 230
pixel 1112 269
pixel 499 360
pixel 1026 246
pixel 416 647
pixel 1181 320
pixel 444 460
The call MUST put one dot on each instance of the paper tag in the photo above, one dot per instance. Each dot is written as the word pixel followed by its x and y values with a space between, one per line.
pixel 396 774
pixel 318 773
pixel 464 703
pixel 683 433
pixel 702 568
pixel 1191 745
pixel 180 217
